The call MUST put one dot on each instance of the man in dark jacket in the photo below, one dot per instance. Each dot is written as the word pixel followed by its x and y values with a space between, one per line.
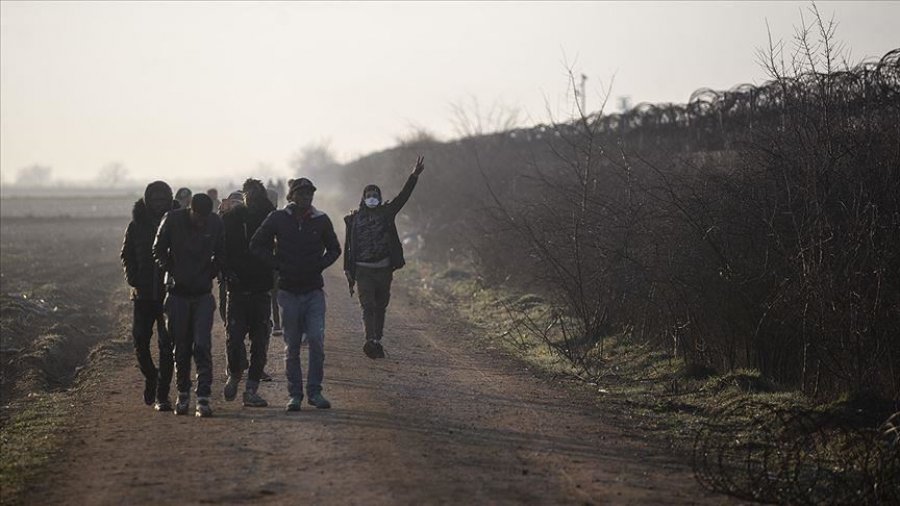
pixel 373 252
pixel 189 246
pixel 148 291
pixel 307 245
pixel 249 281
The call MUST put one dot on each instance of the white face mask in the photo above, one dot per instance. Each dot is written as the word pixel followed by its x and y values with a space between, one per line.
pixel 372 201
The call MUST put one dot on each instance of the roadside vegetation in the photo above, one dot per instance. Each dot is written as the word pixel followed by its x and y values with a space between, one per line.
pixel 725 269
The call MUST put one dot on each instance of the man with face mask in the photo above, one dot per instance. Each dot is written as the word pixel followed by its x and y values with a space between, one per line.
pixel 148 290
pixel 373 253
pixel 189 246
pixel 306 246
pixel 249 281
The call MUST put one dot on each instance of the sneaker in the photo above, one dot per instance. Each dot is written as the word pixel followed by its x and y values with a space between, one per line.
pixel 373 349
pixel 203 409
pixel 264 376
pixel 149 391
pixel 231 387
pixel 294 404
pixel 319 401
pixel 183 404
pixel 163 405
pixel 253 400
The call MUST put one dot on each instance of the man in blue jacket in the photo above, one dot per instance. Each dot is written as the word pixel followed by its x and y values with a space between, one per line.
pixel 189 247
pixel 306 246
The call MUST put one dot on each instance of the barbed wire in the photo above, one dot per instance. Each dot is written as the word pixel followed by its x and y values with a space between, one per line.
pixel 756 451
pixel 710 113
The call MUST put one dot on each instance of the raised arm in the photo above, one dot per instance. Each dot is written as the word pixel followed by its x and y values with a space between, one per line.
pixel 397 204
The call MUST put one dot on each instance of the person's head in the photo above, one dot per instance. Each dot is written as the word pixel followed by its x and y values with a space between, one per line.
pixel 158 198
pixel 235 198
pixel 183 196
pixel 301 192
pixel 371 196
pixel 201 208
pixel 213 193
pixel 254 192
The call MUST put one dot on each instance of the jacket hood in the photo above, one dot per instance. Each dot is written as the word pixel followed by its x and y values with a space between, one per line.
pixel 155 187
pixel 140 212
pixel 370 187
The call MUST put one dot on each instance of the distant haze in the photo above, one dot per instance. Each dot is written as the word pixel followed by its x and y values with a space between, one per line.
pixel 202 90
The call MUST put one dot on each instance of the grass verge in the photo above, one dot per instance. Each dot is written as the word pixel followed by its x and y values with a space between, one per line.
pixel 35 428
pixel 30 437
pixel 717 417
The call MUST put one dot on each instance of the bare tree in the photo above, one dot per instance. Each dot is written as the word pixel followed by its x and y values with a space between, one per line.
pixel 34 175
pixel 470 119
pixel 315 159
pixel 112 174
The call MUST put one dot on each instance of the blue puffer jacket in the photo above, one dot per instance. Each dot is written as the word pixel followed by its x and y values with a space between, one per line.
pixel 300 246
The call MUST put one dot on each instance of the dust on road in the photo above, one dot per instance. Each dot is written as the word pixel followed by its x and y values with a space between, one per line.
pixel 439 421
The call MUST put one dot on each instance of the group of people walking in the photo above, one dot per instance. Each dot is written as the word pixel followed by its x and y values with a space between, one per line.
pixel 175 246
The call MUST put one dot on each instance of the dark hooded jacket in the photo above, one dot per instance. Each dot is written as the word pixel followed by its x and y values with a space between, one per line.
pixel 245 272
pixel 192 257
pixel 141 273
pixel 371 233
pixel 307 245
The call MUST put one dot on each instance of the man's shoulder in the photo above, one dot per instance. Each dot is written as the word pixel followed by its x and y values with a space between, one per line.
pixel 278 214
pixel 320 216
pixel 176 216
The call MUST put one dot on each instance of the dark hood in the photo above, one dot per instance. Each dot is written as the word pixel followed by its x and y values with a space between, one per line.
pixel 375 187
pixel 140 212
pixel 157 186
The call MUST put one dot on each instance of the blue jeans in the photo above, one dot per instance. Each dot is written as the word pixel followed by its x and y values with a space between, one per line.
pixel 190 320
pixel 303 314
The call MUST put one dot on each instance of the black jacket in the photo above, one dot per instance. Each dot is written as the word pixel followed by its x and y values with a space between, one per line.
pixel 245 272
pixel 141 273
pixel 382 217
pixel 191 257
pixel 306 246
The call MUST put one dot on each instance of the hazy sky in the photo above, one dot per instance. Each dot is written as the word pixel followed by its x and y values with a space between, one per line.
pixel 204 89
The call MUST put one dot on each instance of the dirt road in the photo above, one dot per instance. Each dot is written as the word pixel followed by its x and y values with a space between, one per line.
pixel 438 421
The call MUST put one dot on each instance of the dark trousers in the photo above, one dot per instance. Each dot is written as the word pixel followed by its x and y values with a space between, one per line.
pixel 148 313
pixel 247 314
pixel 223 299
pixel 190 326
pixel 276 313
pixel 374 287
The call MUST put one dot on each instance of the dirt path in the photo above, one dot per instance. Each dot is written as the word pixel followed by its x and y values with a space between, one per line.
pixel 437 422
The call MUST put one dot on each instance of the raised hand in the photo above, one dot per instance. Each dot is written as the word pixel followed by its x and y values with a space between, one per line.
pixel 420 165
